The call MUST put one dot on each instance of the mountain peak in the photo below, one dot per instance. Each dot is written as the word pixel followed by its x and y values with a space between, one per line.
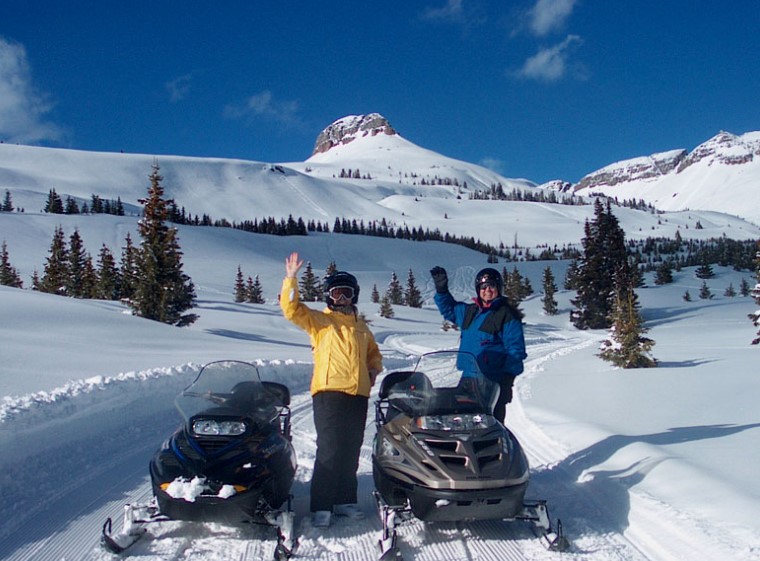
pixel 348 129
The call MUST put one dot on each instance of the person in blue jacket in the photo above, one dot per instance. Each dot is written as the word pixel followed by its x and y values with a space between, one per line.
pixel 491 329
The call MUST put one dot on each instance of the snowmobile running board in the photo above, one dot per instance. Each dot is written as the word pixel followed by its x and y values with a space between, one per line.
pixel 535 512
pixel 136 516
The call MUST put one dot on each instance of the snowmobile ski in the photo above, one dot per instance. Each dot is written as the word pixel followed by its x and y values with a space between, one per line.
pixel 439 455
pixel 231 461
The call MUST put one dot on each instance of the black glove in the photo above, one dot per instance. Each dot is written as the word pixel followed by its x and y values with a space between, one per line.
pixel 440 279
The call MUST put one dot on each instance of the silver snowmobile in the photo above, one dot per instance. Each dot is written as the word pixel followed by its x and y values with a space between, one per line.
pixel 230 461
pixel 440 455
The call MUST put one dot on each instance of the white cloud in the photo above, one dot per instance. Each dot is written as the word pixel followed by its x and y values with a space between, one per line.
pixel 265 105
pixel 493 164
pixel 549 64
pixel 452 11
pixel 22 109
pixel 549 15
pixel 179 88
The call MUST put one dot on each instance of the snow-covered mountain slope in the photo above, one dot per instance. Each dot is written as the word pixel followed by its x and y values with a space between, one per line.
pixel 360 169
pixel 722 174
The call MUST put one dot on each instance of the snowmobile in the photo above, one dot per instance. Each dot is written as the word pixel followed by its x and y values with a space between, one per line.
pixel 440 455
pixel 231 460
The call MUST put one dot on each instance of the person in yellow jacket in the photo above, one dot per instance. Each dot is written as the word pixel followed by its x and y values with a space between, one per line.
pixel 346 362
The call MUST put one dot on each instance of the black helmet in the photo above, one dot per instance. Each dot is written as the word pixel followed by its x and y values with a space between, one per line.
pixel 340 279
pixel 492 275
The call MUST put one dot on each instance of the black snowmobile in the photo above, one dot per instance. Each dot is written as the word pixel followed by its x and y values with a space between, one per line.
pixel 231 461
pixel 440 455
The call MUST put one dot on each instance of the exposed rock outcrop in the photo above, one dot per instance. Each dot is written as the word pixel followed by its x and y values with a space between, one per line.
pixel 350 128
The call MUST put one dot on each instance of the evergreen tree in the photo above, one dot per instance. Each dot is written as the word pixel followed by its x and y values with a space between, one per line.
pixel 129 272
pixel 107 285
pixel 626 345
pixel 704 271
pixel 704 292
pixel 8 274
pixel 755 293
pixel 375 296
pixel 75 285
pixel 331 268
pixel 54 203
pixel 7 202
pixel 664 273
pixel 549 289
pixel 310 287
pixel 240 290
pixel 386 307
pixel 89 278
pixel 412 295
pixel 394 292
pixel 163 292
pixel 686 296
pixel 744 289
pixel 604 253
pixel 255 292
pixel 55 276
pixel 571 276
pixel 730 291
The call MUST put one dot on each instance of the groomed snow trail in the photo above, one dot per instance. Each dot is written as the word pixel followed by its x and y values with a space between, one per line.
pixel 66 527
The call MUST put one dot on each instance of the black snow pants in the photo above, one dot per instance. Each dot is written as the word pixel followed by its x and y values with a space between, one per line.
pixel 505 396
pixel 339 419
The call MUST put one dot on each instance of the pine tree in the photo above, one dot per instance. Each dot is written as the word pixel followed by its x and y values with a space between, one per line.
pixel 394 292
pixel 704 292
pixel 240 291
pixel 386 307
pixel 255 292
pixel 75 285
pixel 7 202
pixel 604 252
pixel 626 345
pixel 744 289
pixel 704 271
pixel 664 273
pixel 89 278
pixel 55 276
pixel 549 289
pixel 375 296
pixel 755 293
pixel 109 281
pixel 331 268
pixel 163 292
pixel 686 296
pixel 8 274
pixel 309 287
pixel 730 291
pixel 128 267
pixel 412 295
pixel 571 276
pixel 54 203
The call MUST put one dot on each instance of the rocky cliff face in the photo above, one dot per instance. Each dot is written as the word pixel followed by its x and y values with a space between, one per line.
pixel 636 169
pixel 350 128
pixel 724 149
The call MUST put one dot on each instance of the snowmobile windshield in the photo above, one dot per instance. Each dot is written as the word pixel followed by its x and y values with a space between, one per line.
pixel 443 383
pixel 232 388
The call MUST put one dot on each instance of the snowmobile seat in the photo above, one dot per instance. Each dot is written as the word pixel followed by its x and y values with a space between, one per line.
pixel 405 391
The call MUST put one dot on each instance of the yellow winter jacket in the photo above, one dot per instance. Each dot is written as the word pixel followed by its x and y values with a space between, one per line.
pixel 343 346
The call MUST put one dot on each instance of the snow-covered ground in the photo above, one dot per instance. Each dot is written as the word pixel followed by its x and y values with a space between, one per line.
pixel 654 464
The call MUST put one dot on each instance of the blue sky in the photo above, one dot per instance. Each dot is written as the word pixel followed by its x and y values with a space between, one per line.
pixel 539 89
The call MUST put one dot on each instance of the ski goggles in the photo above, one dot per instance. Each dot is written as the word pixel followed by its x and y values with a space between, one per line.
pixel 338 292
pixel 487 284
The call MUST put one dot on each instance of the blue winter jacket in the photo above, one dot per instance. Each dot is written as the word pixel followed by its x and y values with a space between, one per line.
pixel 499 354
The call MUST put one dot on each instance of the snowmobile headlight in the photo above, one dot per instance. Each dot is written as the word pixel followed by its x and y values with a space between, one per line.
pixel 464 422
pixel 211 427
